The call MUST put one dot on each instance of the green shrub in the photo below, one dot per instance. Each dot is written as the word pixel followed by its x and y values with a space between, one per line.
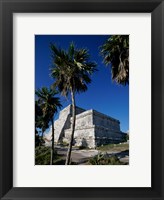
pixel 82 147
pixel 63 143
pixel 37 140
pixel 43 155
pixel 104 159
pixel 125 138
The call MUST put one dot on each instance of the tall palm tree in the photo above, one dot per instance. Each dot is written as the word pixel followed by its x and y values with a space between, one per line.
pixel 115 51
pixel 72 72
pixel 49 104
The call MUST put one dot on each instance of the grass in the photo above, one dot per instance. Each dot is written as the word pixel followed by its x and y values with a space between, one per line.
pixel 114 147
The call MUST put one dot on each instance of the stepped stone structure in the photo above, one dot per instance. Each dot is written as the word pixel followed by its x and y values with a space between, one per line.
pixel 92 128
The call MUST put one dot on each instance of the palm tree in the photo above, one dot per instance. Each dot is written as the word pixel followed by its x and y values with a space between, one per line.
pixel 115 51
pixel 49 105
pixel 71 70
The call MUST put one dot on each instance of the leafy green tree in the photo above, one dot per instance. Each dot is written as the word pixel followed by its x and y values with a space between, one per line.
pixel 115 51
pixel 38 115
pixel 41 121
pixel 72 72
pixel 49 105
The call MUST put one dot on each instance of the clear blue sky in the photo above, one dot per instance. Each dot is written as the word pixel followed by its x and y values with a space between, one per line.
pixel 103 94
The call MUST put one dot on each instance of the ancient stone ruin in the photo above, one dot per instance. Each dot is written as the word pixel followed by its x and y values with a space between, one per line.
pixel 92 128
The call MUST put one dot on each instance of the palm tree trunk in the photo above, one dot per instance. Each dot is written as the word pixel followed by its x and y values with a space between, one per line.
pixel 52 147
pixel 68 158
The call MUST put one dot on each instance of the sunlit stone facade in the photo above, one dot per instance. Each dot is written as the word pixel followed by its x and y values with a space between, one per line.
pixel 92 128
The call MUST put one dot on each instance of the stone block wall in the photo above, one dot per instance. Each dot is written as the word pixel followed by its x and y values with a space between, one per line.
pixel 82 137
pixel 84 119
pixel 63 122
pixel 106 136
pixel 84 130
pixel 91 129
pixel 105 121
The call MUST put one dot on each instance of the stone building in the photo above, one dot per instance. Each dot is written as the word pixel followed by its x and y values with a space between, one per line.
pixel 92 128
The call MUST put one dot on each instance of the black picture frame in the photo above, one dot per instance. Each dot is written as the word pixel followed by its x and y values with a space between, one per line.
pixel 7 8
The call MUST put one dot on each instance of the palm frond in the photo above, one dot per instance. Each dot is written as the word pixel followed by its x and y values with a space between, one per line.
pixel 48 103
pixel 71 69
pixel 115 51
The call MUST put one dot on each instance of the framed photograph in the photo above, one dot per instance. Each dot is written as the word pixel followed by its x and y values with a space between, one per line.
pixel 81 99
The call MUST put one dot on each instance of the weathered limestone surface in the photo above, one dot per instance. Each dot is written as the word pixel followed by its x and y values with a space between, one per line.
pixel 91 129
pixel 63 122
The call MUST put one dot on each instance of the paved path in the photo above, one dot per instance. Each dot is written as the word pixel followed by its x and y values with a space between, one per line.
pixel 77 155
